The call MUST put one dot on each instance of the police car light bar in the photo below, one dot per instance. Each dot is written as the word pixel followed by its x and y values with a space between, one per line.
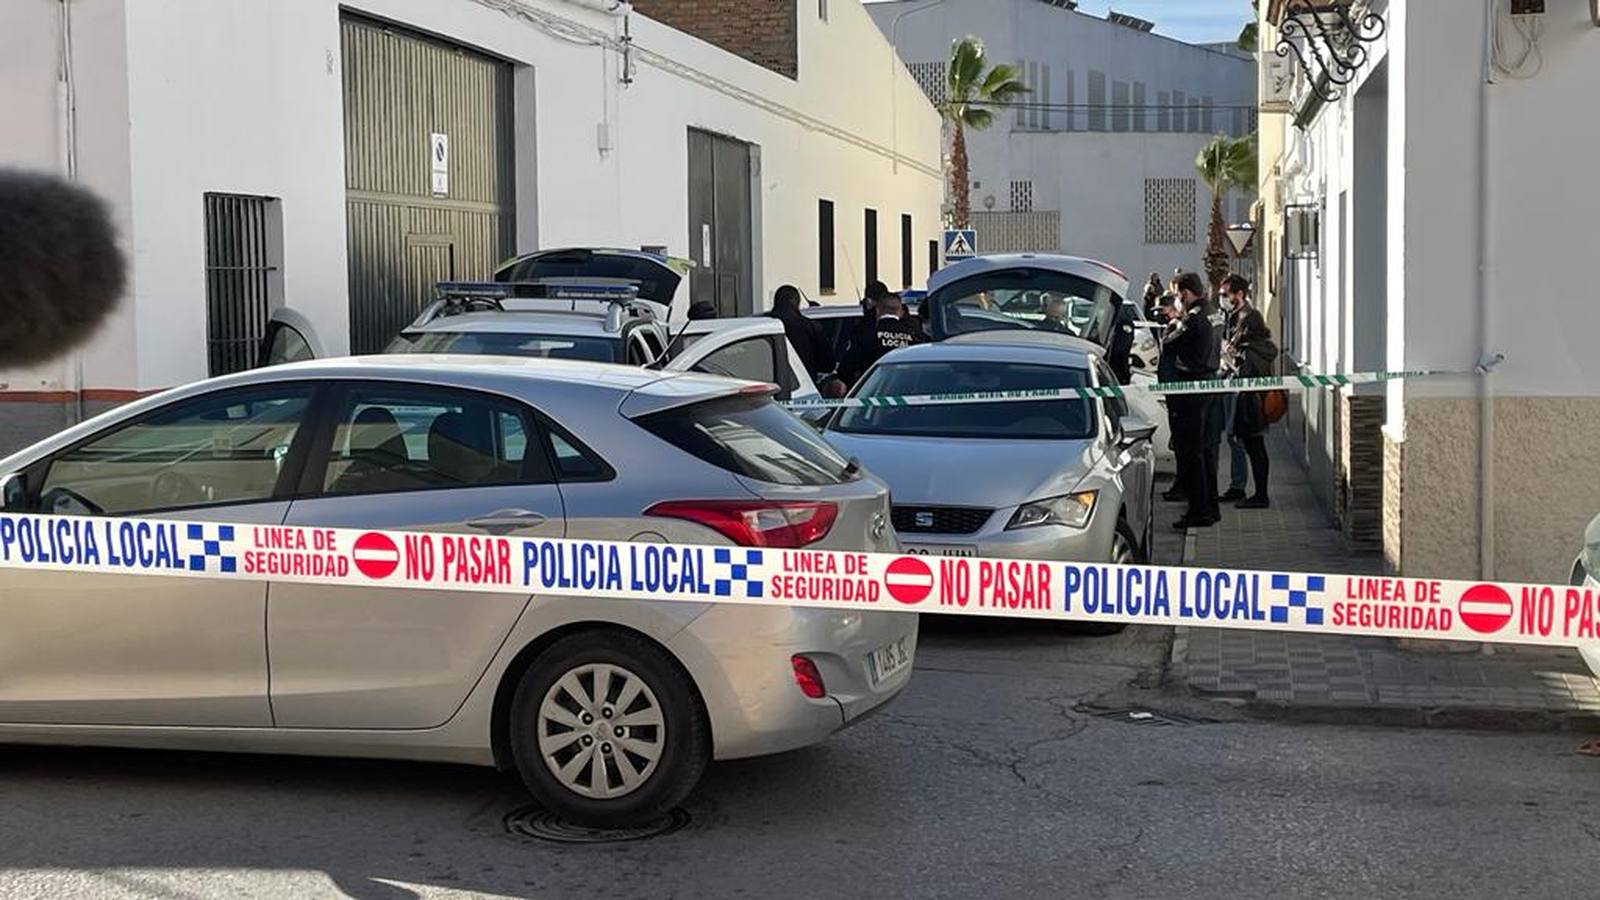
pixel 538 290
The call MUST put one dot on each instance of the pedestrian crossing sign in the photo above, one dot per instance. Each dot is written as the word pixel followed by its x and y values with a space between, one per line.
pixel 959 243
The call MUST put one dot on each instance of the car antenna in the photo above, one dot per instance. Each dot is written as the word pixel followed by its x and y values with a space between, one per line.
pixel 661 360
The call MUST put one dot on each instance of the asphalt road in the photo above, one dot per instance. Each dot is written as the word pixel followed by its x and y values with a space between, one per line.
pixel 989 778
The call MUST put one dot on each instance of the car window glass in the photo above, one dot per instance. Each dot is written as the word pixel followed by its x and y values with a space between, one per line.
pixel 750 359
pixel 543 346
pixel 388 439
pixel 574 463
pixel 1033 299
pixel 753 437
pixel 287 346
pixel 218 449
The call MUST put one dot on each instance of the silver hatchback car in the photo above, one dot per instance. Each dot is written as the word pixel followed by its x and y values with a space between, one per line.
pixel 1048 479
pixel 610 709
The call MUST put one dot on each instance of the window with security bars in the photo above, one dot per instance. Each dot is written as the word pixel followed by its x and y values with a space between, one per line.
pixel 1169 210
pixel 1022 196
pixel 244 277
pixel 930 76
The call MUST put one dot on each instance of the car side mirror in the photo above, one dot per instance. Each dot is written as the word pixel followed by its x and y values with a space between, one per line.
pixel 14 492
pixel 1136 429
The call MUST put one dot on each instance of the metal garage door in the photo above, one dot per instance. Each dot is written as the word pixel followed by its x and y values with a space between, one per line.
pixel 720 214
pixel 419 213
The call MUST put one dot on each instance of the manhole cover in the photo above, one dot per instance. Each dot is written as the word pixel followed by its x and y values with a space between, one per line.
pixel 1141 717
pixel 534 822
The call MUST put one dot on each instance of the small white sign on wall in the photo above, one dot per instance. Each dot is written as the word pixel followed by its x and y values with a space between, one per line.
pixel 439 163
pixel 705 244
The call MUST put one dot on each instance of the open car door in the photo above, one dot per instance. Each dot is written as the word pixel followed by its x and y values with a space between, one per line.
pixel 1013 291
pixel 752 348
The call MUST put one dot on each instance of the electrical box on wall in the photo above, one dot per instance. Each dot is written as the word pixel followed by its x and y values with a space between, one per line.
pixel 1527 7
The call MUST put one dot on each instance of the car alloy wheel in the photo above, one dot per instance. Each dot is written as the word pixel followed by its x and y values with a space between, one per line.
pixel 607 730
pixel 601 731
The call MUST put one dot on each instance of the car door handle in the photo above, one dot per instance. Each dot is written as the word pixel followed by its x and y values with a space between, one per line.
pixel 505 521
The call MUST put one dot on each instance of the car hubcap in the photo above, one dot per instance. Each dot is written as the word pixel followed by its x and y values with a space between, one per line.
pixel 601 731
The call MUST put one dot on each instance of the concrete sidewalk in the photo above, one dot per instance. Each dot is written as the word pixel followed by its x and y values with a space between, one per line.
pixel 1356 679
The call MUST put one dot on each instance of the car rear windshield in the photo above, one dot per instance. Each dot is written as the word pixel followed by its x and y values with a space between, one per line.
pixel 656 281
pixel 1025 420
pixel 753 437
pixel 547 346
pixel 1037 299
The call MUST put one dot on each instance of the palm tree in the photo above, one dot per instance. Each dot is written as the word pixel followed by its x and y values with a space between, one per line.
pixel 1250 37
pixel 1224 164
pixel 969 91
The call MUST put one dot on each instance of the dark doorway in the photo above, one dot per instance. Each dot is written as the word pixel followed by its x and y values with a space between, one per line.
pixel 720 233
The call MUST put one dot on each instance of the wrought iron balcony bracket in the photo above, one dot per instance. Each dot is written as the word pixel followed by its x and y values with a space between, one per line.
pixel 1328 41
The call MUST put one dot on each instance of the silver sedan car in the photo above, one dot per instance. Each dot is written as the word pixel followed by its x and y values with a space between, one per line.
pixel 609 709
pixel 1049 479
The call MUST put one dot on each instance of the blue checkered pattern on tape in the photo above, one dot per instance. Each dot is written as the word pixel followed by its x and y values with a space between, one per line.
pixel 211 549
pixel 1300 598
pixel 738 573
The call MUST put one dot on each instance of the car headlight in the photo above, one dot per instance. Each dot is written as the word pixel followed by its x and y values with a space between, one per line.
pixel 1073 510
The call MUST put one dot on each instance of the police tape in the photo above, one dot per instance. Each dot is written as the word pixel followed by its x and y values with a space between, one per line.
pixel 1215 386
pixel 35 547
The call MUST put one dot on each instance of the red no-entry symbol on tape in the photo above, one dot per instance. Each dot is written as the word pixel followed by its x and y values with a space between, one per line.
pixel 375 555
pixel 909 580
pixel 1485 609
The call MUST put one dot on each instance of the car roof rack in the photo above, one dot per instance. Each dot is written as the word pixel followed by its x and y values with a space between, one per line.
pixel 620 301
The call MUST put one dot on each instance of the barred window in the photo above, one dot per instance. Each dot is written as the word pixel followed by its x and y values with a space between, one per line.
pixel 1119 106
pixel 244 278
pixel 1169 210
pixel 1022 196
pixel 1097 101
pixel 930 76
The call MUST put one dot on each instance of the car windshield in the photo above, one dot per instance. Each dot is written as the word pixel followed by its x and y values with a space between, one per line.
pixel 1036 299
pixel 548 346
pixel 1025 420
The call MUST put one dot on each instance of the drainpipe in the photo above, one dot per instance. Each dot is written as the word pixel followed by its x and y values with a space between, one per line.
pixel 67 147
pixel 894 95
pixel 1487 358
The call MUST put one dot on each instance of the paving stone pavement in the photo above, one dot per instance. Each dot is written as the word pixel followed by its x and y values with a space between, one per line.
pixel 1430 682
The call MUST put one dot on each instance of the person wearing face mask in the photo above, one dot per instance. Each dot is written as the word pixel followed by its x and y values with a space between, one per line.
pixel 1238 460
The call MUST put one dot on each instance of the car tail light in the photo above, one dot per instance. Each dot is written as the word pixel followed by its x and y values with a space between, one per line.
pixel 807 676
pixel 755 523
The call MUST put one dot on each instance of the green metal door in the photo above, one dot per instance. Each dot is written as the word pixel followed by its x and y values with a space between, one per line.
pixel 430 175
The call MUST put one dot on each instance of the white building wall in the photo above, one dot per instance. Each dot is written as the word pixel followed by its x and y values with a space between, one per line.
pixel 243 96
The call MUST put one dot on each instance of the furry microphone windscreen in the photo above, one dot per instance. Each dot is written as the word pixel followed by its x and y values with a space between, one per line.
pixel 61 271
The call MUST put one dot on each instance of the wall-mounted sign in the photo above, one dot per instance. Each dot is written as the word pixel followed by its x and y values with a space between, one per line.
pixel 439 163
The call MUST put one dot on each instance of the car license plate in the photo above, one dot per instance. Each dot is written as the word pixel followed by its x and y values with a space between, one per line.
pixel 941 550
pixel 887 661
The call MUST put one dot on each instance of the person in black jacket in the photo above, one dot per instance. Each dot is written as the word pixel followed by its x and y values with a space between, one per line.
pixel 891 332
pixel 1195 353
pixel 805 335
pixel 1253 353
pixel 1119 354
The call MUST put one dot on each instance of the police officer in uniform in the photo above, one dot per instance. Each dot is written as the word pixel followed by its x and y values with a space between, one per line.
pixel 891 331
pixel 1196 425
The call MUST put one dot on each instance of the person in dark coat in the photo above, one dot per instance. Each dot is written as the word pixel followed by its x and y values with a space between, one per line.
pixel 891 332
pixel 1254 353
pixel 805 335
pixel 1152 298
pixel 1196 433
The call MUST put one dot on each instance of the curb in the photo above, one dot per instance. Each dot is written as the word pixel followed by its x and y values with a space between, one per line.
pixel 1468 719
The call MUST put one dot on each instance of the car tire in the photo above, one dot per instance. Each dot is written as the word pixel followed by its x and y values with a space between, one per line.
pixel 560 694
pixel 1125 550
